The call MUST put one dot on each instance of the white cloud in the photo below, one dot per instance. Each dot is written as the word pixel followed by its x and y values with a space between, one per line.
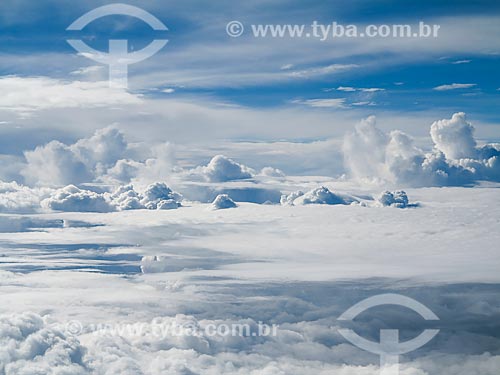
pixel 20 199
pixel 454 137
pixel 28 346
pixel 73 199
pixel 322 70
pixel 346 88
pixel 397 199
pixel 41 93
pixel 168 90
pixel 87 70
pixel 455 86
pixel 160 196
pixel 363 89
pixel 221 169
pixel 458 62
pixel 58 164
pixel 320 195
pixel 375 156
pixel 323 103
pixel 54 164
pixel 222 202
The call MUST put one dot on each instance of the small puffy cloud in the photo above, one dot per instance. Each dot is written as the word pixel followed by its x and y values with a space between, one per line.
pixel 272 172
pixel 455 86
pixel 73 199
pixel 223 201
pixel 126 198
pixel 222 169
pixel 320 195
pixel 160 196
pixel 397 199
pixel 168 90
pixel 454 137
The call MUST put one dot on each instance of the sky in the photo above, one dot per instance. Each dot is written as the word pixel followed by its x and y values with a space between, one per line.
pixel 202 65
pixel 208 93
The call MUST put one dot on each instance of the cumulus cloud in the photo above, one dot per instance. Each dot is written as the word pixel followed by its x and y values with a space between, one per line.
pixel 372 155
pixel 397 199
pixel 54 164
pixel 30 346
pixel 16 198
pixel 222 169
pixel 320 195
pixel 73 199
pixel 160 196
pixel 223 201
pixel 454 137
pixel 58 164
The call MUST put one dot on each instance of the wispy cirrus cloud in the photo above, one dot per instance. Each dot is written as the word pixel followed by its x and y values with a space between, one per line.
pixel 323 103
pixel 454 86
pixel 354 89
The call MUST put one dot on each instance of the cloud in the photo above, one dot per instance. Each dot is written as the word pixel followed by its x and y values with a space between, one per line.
pixel 322 70
pixel 58 164
pixel 27 94
pixel 320 195
pixel 160 196
pixel 222 202
pixel 15 198
pixel 55 164
pixel 272 172
pixel 372 155
pixel 397 199
pixel 221 169
pixel 458 62
pixel 455 86
pixel 323 103
pixel 87 70
pixel 353 89
pixel 30 346
pixel 454 137
pixel 73 199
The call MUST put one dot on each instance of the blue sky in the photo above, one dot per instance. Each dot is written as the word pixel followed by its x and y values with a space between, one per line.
pixel 204 65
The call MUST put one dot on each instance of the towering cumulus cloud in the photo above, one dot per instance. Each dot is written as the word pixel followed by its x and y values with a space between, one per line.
pixel 58 164
pixel 372 155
